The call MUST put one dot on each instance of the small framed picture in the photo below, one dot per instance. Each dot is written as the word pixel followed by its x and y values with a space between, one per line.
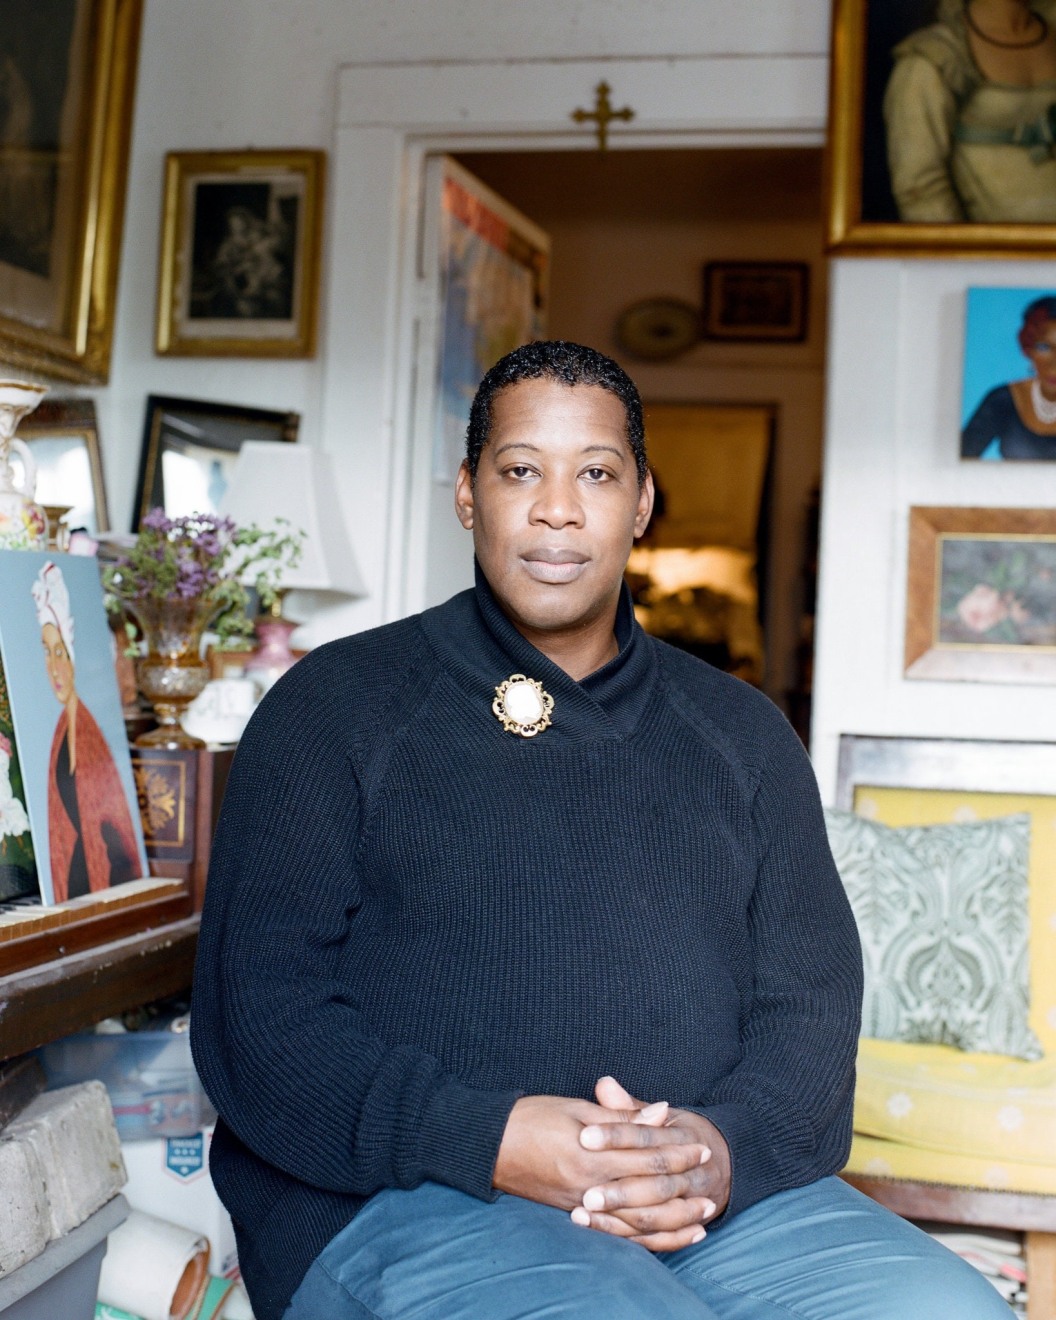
pixel 190 447
pixel 756 301
pixel 240 253
pixel 64 440
pixel 1009 381
pixel 981 595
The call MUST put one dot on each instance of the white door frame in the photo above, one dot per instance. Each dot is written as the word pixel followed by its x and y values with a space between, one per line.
pixel 389 118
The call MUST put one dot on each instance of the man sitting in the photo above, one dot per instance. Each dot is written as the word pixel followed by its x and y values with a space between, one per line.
pixel 524 963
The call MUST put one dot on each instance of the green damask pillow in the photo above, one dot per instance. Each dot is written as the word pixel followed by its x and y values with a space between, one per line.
pixel 942 914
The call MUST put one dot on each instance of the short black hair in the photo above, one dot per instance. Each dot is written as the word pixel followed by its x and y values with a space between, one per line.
pixel 1036 316
pixel 568 364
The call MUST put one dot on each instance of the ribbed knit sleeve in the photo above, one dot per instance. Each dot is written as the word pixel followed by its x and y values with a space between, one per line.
pixel 786 1108
pixel 282 1046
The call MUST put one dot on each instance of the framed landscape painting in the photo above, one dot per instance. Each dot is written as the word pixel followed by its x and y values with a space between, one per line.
pixel 240 253
pixel 939 125
pixel 981 598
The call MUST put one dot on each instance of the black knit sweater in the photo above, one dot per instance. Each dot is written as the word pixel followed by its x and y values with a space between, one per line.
pixel 413 917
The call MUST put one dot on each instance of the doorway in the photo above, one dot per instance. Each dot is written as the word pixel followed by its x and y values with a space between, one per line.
pixel 628 227
pixel 390 120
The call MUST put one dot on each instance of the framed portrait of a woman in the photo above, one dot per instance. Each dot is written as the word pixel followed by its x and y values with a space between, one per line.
pixel 943 126
pixel 1009 380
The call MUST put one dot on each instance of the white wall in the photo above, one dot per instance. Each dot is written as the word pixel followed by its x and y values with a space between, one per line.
pixel 893 428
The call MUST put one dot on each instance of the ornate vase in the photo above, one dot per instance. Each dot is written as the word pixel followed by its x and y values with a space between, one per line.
pixel 23 525
pixel 172 672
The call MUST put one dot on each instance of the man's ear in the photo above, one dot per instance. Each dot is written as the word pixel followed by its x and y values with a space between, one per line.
pixel 645 505
pixel 464 496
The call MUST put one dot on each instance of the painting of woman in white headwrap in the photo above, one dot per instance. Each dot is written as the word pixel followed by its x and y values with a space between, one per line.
pixel 91 840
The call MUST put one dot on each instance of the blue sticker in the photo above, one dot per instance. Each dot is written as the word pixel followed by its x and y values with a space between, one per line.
pixel 185 1156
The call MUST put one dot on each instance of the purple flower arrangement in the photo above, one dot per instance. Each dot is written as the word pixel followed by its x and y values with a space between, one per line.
pixel 205 558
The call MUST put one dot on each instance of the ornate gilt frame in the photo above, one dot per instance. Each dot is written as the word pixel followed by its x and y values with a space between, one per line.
pixel 177 331
pixel 79 348
pixel 847 231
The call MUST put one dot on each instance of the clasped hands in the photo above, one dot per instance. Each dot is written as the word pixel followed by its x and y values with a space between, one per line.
pixel 649 1173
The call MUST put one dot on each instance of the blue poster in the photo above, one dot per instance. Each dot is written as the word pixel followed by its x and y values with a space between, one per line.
pixel 57 652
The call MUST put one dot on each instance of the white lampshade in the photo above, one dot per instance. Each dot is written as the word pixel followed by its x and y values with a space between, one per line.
pixel 273 479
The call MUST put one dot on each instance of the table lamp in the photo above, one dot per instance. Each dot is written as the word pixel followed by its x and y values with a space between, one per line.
pixel 274 479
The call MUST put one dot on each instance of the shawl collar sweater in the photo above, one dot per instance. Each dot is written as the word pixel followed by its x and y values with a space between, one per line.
pixel 413 917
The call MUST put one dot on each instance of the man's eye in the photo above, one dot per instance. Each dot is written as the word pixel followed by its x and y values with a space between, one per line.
pixel 596 474
pixel 520 471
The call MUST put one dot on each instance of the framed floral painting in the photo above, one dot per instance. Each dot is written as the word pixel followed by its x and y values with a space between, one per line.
pixel 981 595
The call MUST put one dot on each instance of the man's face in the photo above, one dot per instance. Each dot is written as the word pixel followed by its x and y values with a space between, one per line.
pixel 556 504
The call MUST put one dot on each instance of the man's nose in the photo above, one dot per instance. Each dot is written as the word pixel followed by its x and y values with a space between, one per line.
pixel 557 503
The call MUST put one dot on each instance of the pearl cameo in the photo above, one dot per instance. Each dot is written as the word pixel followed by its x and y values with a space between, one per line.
pixel 522 706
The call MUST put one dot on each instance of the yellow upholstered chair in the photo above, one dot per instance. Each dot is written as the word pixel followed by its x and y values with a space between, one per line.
pixel 941 1133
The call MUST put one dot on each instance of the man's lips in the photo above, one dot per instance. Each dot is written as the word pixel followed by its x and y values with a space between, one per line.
pixel 554 564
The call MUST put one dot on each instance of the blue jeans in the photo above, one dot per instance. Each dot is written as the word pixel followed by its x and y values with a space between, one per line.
pixel 822 1252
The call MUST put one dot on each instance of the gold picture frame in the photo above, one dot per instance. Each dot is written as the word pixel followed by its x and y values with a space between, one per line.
pixel 240 253
pixel 63 438
pixel 862 215
pixel 981 595
pixel 63 170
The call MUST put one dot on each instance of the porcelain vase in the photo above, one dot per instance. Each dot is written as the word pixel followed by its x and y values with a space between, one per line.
pixel 23 524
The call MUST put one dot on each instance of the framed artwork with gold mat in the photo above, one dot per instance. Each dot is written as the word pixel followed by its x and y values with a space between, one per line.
pixel 941 122
pixel 981 595
pixel 67 80
pixel 240 253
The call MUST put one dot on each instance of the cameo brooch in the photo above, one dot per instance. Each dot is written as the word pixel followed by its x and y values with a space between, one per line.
pixel 522 706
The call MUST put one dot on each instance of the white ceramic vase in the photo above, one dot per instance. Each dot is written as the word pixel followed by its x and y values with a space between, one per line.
pixel 23 523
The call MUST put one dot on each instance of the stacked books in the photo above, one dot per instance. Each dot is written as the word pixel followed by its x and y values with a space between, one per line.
pixel 997 1253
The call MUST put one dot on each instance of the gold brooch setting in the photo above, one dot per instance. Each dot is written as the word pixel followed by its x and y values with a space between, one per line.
pixel 522 706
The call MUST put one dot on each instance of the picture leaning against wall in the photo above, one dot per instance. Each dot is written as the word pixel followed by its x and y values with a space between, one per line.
pixel 1009 390
pixel 18 867
pixel 57 653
